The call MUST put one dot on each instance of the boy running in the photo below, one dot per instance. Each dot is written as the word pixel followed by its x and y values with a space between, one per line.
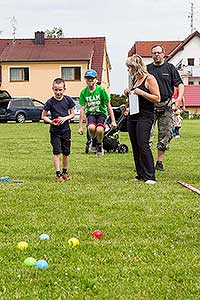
pixel 95 103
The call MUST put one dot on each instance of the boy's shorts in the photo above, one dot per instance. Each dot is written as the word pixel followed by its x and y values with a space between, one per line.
pixel 61 142
pixel 97 120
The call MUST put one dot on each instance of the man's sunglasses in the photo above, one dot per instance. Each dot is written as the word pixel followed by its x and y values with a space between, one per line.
pixel 157 52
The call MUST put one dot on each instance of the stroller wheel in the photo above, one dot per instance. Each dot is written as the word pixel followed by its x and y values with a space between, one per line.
pixel 123 148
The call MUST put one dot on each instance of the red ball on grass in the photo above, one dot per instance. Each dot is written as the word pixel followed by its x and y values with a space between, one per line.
pixel 98 234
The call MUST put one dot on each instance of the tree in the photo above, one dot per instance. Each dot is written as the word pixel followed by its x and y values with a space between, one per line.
pixel 55 33
pixel 117 100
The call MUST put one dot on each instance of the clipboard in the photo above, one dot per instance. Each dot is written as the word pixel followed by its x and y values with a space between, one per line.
pixel 133 104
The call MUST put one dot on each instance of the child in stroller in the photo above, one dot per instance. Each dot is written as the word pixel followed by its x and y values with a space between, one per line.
pixel 111 141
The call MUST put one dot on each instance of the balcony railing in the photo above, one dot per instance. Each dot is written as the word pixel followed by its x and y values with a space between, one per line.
pixel 193 71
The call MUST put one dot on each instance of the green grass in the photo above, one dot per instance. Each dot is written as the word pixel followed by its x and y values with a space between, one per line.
pixel 150 248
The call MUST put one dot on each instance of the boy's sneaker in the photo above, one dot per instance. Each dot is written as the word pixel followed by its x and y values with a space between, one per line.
pixel 159 166
pixel 150 181
pixel 58 179
pixel 138 178
pixel 94 145
pixel 65 176
pixel 100 151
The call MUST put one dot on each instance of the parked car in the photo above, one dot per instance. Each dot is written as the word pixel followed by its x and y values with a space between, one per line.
pixel 76 109
pixel 19 109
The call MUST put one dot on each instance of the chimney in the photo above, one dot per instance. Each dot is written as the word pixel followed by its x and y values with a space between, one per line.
pixel 39 38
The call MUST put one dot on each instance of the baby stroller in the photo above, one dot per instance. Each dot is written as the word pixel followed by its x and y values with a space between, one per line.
pixel 111 141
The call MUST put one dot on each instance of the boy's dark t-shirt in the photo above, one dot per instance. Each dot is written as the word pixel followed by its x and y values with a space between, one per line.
pixel 59 108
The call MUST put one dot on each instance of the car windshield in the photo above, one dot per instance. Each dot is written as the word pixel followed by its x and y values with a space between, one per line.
pixel 37 102
pixel 4 95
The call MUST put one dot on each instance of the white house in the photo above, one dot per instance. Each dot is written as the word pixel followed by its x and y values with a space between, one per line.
pixel 185 56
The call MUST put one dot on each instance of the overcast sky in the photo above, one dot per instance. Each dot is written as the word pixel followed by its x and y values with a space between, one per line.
pixel 122 22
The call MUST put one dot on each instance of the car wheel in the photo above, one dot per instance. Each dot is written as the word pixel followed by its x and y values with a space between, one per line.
pixel 123 149
pixel 20 118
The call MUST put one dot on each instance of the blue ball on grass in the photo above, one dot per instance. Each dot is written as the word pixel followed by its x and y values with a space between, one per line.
pixel 44 237
pixel 41 264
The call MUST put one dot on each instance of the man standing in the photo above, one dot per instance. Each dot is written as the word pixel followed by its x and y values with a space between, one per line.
pixel 167 77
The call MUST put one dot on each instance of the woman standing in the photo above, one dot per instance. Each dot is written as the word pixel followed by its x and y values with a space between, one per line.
pixel 139 124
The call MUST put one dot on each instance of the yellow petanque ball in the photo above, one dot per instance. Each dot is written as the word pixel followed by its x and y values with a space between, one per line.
pixel 22 245
pixel 73 242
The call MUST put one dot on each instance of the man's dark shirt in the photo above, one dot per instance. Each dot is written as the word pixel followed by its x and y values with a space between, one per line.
pixel 167 77
pixel 59 108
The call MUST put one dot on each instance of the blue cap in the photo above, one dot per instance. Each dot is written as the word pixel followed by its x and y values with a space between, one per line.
pixel 91 73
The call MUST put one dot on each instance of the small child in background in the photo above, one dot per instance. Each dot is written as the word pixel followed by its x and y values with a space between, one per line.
pixel 177 120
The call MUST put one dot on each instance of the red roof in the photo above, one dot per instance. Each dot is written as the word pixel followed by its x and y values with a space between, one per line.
pixel 192 95
pixel 45 53
pixel 143 48
pixel 64 49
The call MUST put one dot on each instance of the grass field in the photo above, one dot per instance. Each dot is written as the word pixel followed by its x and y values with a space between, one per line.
pixel 150 248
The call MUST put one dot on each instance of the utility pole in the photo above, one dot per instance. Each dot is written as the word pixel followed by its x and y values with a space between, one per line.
pixel 191 17
pixel 14 28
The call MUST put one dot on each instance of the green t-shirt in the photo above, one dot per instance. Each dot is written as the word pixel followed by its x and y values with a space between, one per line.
pixel 94 102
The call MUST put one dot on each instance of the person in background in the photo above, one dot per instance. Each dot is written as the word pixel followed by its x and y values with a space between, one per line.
pixel 174 99
pixel 139 124
pixel 95 103
pixel 61 108
pixel 167 77
pixel 177 120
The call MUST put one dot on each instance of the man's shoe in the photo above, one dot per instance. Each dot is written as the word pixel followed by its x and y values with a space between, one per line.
pixel 159 166
pixel 65 177
pixel 100 151
pixel 58 179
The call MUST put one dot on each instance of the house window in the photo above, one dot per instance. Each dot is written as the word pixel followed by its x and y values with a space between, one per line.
pixel 190 61
pixel 71 73
pixel 19 74
pixel 191 82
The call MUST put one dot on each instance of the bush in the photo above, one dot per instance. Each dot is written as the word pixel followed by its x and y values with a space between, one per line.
pixel 185 114
pixel 195 116
pixel 117 100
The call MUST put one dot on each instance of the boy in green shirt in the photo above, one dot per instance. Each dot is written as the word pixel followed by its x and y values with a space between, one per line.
pixel 95 103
